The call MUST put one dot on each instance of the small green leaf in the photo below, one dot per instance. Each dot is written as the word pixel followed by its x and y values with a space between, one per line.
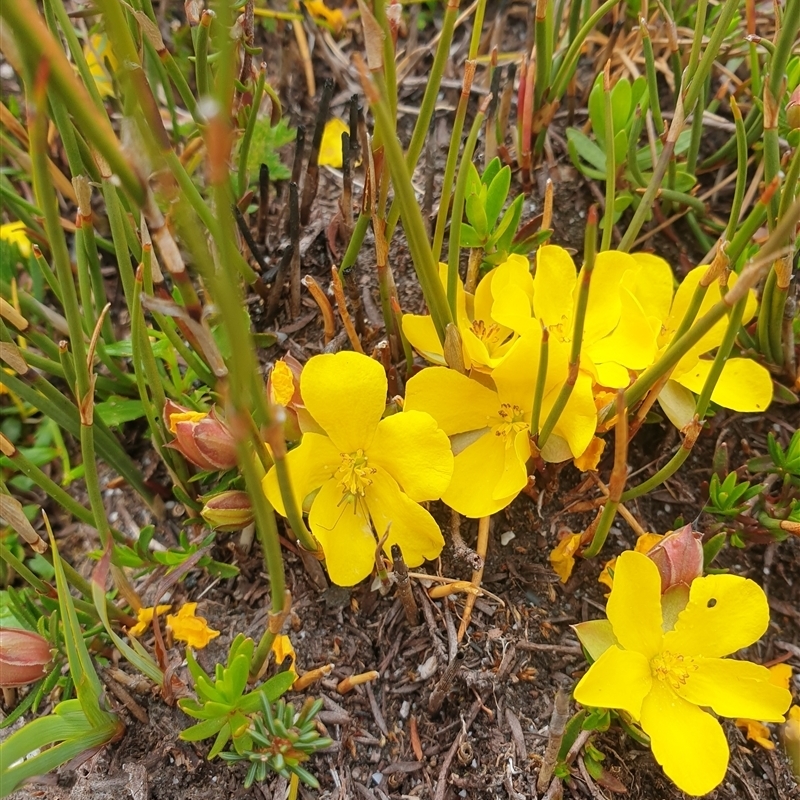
pixel 469 238
pixel 476 214
pixel 491 171
pixel 117 410
pixel 497 194
pixel 203 730
pixel 581 147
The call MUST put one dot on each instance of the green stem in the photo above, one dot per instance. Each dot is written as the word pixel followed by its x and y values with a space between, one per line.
pixel 457 216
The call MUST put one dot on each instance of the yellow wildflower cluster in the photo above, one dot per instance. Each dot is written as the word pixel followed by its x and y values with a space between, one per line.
pixel 631 318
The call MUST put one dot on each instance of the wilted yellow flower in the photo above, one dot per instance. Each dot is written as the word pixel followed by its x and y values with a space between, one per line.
pixel 145 617
pixel 186 627
pixel 333 16
pixel 282 647
pixel 562 556
pixel 14 233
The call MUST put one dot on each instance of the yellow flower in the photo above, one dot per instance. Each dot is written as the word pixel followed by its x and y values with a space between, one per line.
pixel 186 627
pixel 14 233
pixel 332 16
pixel 484 341
pixel 145 617
pixel 330 150
pixel 97 51
pixel 664 675
pixel 488 421
pixel 364 472
pixel 743 385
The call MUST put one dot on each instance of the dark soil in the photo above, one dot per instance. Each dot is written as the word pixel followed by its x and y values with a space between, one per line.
pixel 489 737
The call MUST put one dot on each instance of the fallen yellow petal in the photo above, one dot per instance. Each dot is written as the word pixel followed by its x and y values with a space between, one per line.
pixel 756 732
pixel 590 458
pixel 145 617
pixel 333 16
pixel 330 151
pixel 282 647
pixel 562 557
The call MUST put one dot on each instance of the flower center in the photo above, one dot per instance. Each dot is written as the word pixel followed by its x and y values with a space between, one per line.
pixel 512 421
pixel 354 475
pixel 672 668
pixel 488 334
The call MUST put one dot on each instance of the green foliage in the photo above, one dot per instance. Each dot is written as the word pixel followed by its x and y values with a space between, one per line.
pixel 497 236
pixel 729 498
pixel 223 706
pixel 266 142
pixel 282 739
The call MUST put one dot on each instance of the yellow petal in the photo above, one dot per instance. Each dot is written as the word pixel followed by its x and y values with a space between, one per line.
pixel 188 628
pixel 515 271
pixel 605 303
pixel 678 403
pixel 606 577
pixel 634 607
pixel 735 689
pixel 282 647
pixel 688 743
pixel 613 375
pixel 743 385
pixel 333 16
pixel 345 534
pixel 421 334
pixel 618 679
pixel 456 402
pixel 725 613
pixel 14 233
pixel 578 421
pixel 346 394
pixel 553 284
pixel 515 377
pixel 476 471
pixel 145 617
pixel 415 451
pixel 712 296
pixel 310 465
pixel 652 284
pixel 756 732
pixel 412 527
pixel 515 474
pixel 647 541
pixel 330 150
pixel 780 675
pixel 562 556
pixel 282 382
pixel 632 343
pixel 590 458
pixel 512 308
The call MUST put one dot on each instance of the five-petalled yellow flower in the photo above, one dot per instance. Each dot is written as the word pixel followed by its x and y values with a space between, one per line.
pixel 364 475
pixel 665 668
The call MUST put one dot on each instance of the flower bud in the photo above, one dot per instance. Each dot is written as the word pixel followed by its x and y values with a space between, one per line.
pixel 679 557
pixel 793 110
pixel 201 438
pixel 24 656
pixel 228 511
pixel 283 389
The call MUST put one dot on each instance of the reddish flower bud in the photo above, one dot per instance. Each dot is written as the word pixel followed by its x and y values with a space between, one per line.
pixel 201 438
pixel 679 557
pixel 793 110
pixel 24 656
pixel 228 511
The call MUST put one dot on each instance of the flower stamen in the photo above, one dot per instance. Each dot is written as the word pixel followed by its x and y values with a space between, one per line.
pixel 512 421
pixel 354 475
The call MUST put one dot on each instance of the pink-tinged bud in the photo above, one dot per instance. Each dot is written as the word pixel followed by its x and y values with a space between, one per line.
pixel 201 438
pixel 228 511
pixel 24 656
pixel 793 110
pixel 679 557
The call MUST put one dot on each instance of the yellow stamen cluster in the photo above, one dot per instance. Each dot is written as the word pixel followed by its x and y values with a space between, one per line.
pixel 673 669
pixel 512 421
pixel 354 475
